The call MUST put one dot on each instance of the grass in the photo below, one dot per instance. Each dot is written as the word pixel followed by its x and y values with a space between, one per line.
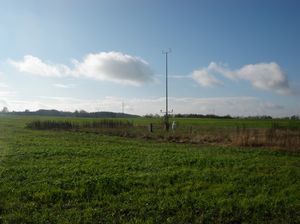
pixel 76 177
pixel 280 134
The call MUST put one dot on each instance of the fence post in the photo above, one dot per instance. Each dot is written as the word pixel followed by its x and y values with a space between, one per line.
pixel 150 127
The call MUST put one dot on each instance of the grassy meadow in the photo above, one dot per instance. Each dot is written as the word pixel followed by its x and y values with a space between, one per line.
pixel 63 176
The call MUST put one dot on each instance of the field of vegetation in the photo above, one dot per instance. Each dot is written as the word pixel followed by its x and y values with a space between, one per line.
pixel 60 170
pixel 281 134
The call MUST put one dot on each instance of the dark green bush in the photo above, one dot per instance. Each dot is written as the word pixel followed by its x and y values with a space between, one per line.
pixel 67 125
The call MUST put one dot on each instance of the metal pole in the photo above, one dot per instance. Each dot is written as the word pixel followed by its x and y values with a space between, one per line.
pixel 167 109
pixel 167 86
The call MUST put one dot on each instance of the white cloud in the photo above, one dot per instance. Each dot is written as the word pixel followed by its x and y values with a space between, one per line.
pixel 36 66
pixel 105 66
pixel 264 76
pixel 116 67
pixel 204 78
pixel 64 86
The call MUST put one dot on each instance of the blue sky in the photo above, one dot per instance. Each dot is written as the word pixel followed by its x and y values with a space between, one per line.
pixel 235 57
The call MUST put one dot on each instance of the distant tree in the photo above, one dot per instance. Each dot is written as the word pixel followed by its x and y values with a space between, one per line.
pixel 148 116
pixel 83 112
pixel 5 110
pixel 295 117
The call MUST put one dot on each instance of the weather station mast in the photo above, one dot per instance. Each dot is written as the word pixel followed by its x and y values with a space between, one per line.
pixel 167 112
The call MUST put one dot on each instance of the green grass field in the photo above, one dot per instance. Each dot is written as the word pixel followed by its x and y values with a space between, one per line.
pixel 77 177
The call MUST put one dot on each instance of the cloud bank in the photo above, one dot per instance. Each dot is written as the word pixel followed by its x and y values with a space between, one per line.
pixel 105 66
pixel 263 76
pixel 236 106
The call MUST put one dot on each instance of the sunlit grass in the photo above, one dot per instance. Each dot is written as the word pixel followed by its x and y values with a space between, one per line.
pixel 76 177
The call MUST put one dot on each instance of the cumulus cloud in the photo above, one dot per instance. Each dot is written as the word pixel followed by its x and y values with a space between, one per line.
pixel 264 76
pixel 205 78
pixel 115 66
pixel 105 66
pixel 36 66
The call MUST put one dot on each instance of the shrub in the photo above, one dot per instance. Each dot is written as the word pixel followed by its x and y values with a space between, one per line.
pixel 67 125
pixel 44 125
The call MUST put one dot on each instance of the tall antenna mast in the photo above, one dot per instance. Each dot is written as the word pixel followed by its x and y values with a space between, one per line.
pixel 167 106
pixel 123 107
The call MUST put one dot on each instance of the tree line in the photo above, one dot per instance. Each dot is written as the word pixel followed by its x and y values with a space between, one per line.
pixel 77 113
pixel 108 114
